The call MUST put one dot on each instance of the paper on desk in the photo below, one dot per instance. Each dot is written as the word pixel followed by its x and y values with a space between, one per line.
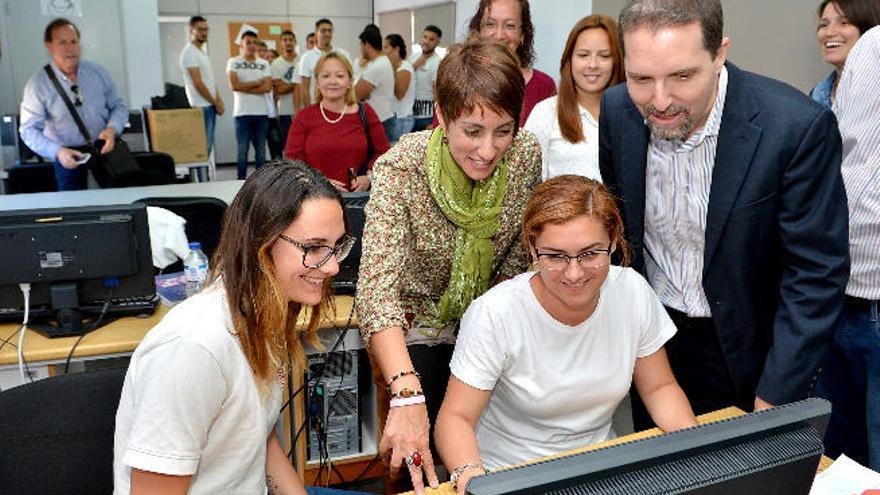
pixel 845 477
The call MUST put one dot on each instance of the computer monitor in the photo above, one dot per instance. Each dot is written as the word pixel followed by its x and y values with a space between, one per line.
pixel 86 265
pixel 345 282
pixel 772 452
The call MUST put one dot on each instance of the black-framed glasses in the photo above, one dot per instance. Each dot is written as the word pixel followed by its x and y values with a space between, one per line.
pixel 588 260
pixel 315 255
pixel 77 96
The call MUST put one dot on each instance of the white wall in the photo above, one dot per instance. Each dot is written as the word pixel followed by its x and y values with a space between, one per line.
pixel 349 18
pixel 140 43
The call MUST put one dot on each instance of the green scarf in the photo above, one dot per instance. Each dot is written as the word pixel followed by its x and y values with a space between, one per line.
pixel 475 209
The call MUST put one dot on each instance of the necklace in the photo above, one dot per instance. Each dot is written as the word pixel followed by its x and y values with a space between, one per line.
pixel 341 115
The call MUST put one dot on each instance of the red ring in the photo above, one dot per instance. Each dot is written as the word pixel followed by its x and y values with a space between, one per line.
pixel 417 459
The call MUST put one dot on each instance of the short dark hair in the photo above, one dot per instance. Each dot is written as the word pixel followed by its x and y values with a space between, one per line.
pixel 55 24
pixel 288 32
pixel 371 36
pixel 863 14
pixel 526 50
pixel 310 35
pixel 480 72
pixel 434 29
pixel 656 14
pixel 195 20
pixel 250 34
pixel 396 41
pixel 323 20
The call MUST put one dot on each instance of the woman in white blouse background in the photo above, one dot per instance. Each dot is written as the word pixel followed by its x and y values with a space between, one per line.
pixel 567 125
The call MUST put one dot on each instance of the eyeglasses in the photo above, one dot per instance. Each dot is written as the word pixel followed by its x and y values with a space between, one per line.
pixel 492 26
pixel 77 96
pixel 588 260
pixel 315 255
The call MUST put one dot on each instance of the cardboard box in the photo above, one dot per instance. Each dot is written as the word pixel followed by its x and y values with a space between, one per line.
pixel 180 133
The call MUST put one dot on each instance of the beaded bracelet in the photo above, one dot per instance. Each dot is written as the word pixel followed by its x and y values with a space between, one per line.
pixel 460 470
pixel 401 375
pixel 406 393
pixel 409 401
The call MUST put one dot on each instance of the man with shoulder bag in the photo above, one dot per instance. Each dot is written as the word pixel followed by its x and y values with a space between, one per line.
pixel 66 105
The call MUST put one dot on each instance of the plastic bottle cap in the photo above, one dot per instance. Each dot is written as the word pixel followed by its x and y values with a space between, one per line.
pixel 195 245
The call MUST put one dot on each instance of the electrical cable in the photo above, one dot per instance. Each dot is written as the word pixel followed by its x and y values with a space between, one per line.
pixel 8 340
pixel 92 326
pixel 26 293
pixel 316 377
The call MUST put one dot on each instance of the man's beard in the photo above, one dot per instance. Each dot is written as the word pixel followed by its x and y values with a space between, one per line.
pixel 677 133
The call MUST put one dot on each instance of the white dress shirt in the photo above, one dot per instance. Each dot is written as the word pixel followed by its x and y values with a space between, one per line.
pixel 677 186
pixel 857 107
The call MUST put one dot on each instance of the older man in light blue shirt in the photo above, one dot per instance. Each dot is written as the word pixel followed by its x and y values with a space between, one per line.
pixel 47 126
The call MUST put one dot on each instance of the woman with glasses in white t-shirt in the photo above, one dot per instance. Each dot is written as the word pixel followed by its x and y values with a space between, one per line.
pixel 544 359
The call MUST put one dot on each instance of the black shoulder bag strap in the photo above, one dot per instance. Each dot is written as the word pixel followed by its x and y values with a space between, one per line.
pixel 362 170
pixel 73 112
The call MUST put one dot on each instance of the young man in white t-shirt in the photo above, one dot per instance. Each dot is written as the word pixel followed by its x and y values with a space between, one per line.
pixel 198 77
pixel 285 83
pixel 376 82
pixel 324 33
pixel 250 79
pixel 425 65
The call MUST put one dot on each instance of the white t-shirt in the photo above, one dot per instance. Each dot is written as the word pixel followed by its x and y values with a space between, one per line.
pixel 310 61
pixel 190 404
pixel 558 155
pixel 404 106
pixel 380 74
pixel 193 56
pixel 554 387
pixel 424 78
pixel 286 71
pixel 246 103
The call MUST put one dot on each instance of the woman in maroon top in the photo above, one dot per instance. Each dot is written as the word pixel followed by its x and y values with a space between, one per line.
pixel 329 135
pixel 510 22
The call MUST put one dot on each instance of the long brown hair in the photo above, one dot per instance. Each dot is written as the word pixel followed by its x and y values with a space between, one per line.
pixel 265 319
pixel 566 197
pixel 567 111
pixel 525 51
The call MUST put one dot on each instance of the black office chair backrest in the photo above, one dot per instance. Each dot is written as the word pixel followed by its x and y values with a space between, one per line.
pixel 56 434
pixel 203 215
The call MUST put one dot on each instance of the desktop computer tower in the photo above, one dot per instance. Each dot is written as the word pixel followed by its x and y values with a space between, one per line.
pixel 332 404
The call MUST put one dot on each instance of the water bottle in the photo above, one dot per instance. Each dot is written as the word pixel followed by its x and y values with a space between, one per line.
pixel 195 268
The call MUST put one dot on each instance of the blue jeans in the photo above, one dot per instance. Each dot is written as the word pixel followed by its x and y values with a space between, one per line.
pixel 284 121
pixel 422 123
pixel 250 129
pixel 210 121
pixel 390 125
pixel 73 179
pixel 404 126
pixel 850 379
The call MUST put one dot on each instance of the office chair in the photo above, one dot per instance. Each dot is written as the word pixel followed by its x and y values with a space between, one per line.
pixel 56 435
pixel 204 220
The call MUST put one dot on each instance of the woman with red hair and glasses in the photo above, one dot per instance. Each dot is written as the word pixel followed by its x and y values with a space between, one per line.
pixel 567 125
pixel 542 360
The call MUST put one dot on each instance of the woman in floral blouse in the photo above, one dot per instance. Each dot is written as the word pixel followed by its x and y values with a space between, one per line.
pixel 442 225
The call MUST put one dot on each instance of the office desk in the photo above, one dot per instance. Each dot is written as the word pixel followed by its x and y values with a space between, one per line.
pixel 721 414
pixel 118 338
